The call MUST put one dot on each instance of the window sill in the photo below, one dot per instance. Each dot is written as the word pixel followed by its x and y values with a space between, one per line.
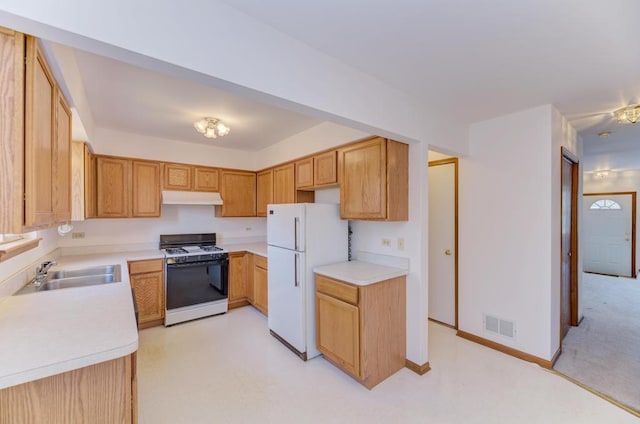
pixel 14 248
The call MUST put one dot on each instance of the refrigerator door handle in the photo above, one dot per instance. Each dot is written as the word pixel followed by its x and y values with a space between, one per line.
pixel 296 224
pixel 296 282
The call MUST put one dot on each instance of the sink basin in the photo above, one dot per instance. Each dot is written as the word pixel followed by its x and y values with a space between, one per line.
pixel 82 281
pixel 98 270
pixel 64 279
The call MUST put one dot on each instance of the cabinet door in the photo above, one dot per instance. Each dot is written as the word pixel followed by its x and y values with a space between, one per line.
pixel 363 185
pixel 284 190
pixel 237 277
pixel 260 287
pixel 113 182
pixel 146 189
pixel 206 179
pixel 238 193
pixel 62 161
pixel 40 101
pixel 90 184
pixel 304 173
pixel 264 194
pixel 338 332
pixel 149 292
pixel 177 177
pixel 325 169
pixel 11 131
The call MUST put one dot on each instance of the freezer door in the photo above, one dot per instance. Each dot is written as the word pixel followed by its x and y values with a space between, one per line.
pixel 285 226
pixel 286 296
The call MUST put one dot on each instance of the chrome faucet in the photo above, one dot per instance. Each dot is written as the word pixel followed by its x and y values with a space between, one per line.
pixel 41 272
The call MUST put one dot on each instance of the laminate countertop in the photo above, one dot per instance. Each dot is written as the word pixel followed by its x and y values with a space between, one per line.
pixel 360 273
pixel 55 331
pixel 255 248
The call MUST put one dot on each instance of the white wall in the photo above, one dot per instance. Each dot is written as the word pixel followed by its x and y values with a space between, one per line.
pixel 322 136
pixel 18 263
pixel 117 143
pixel 509 228
pixel 176 219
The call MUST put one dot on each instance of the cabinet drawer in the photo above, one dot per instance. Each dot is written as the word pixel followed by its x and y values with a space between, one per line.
pixel 260 261
pixel 151 265
pixel 337 289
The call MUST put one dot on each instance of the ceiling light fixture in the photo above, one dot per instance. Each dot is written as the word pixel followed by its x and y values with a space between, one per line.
pixel 211 127
pixel 605 133
pixel 628 114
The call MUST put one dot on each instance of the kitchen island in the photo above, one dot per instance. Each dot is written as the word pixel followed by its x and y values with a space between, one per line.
pixel 361 319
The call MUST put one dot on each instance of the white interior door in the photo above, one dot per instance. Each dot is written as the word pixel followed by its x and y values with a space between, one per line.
pixel 442 301
pixel 607 234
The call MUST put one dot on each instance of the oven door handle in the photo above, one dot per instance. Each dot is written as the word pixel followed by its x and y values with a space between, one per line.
pixel 192 264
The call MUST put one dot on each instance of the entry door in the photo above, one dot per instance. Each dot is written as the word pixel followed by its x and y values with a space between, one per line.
pixel 608 233
pixel 442 241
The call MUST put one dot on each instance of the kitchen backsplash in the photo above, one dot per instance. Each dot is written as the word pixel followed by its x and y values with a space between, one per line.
pixel 175 219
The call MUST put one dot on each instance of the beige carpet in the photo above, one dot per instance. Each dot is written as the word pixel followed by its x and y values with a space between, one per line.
pixel 603 352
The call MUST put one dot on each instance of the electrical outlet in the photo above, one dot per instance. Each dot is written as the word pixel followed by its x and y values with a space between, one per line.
pixel 386 242
pixel 400 243
pixel 248 229
pixel 78 235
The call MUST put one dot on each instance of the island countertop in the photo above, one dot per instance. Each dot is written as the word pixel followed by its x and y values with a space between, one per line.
pixel 55 331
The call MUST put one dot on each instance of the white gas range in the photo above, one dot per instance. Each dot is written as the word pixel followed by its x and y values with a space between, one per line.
pixel 196 277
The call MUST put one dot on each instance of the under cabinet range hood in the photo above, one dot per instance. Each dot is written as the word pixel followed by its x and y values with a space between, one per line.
pixel 170 197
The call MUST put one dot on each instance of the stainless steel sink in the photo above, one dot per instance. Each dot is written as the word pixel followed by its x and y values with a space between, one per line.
pixel 99 270
pixel 64 279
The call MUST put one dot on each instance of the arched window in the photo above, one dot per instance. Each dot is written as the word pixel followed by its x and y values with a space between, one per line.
pixel 605 204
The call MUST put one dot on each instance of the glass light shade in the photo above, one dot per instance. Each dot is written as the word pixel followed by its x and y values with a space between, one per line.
pixel 628 114
pixel 211 127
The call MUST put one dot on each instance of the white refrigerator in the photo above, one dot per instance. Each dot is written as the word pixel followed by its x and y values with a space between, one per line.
pixel 300 236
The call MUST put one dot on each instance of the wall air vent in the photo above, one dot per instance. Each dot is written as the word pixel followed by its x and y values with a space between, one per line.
pixel 502 327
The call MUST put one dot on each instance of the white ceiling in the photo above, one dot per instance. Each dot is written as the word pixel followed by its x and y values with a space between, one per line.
pixel 482 59
pixel 131 99
pixel 473 59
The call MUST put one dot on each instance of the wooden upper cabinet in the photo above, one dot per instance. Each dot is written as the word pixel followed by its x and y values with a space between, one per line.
pixel 325 168
pixel 206 179
pixel 374 180
pixel 62 161
pixel 284 190
pixel 238 192
pixel 40 108
pixel 113 185
pixel 145 189
pixel 177 177
pixel 264 193
pixel 304 173
pixel 11 131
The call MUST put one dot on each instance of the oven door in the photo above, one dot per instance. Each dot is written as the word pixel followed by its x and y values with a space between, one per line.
pixel 197 282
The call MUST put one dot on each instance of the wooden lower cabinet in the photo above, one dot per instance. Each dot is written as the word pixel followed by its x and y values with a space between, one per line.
pixel 260 283
pixel 147 281
pixel 102 393
pixel 361 329
pixel 238 279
